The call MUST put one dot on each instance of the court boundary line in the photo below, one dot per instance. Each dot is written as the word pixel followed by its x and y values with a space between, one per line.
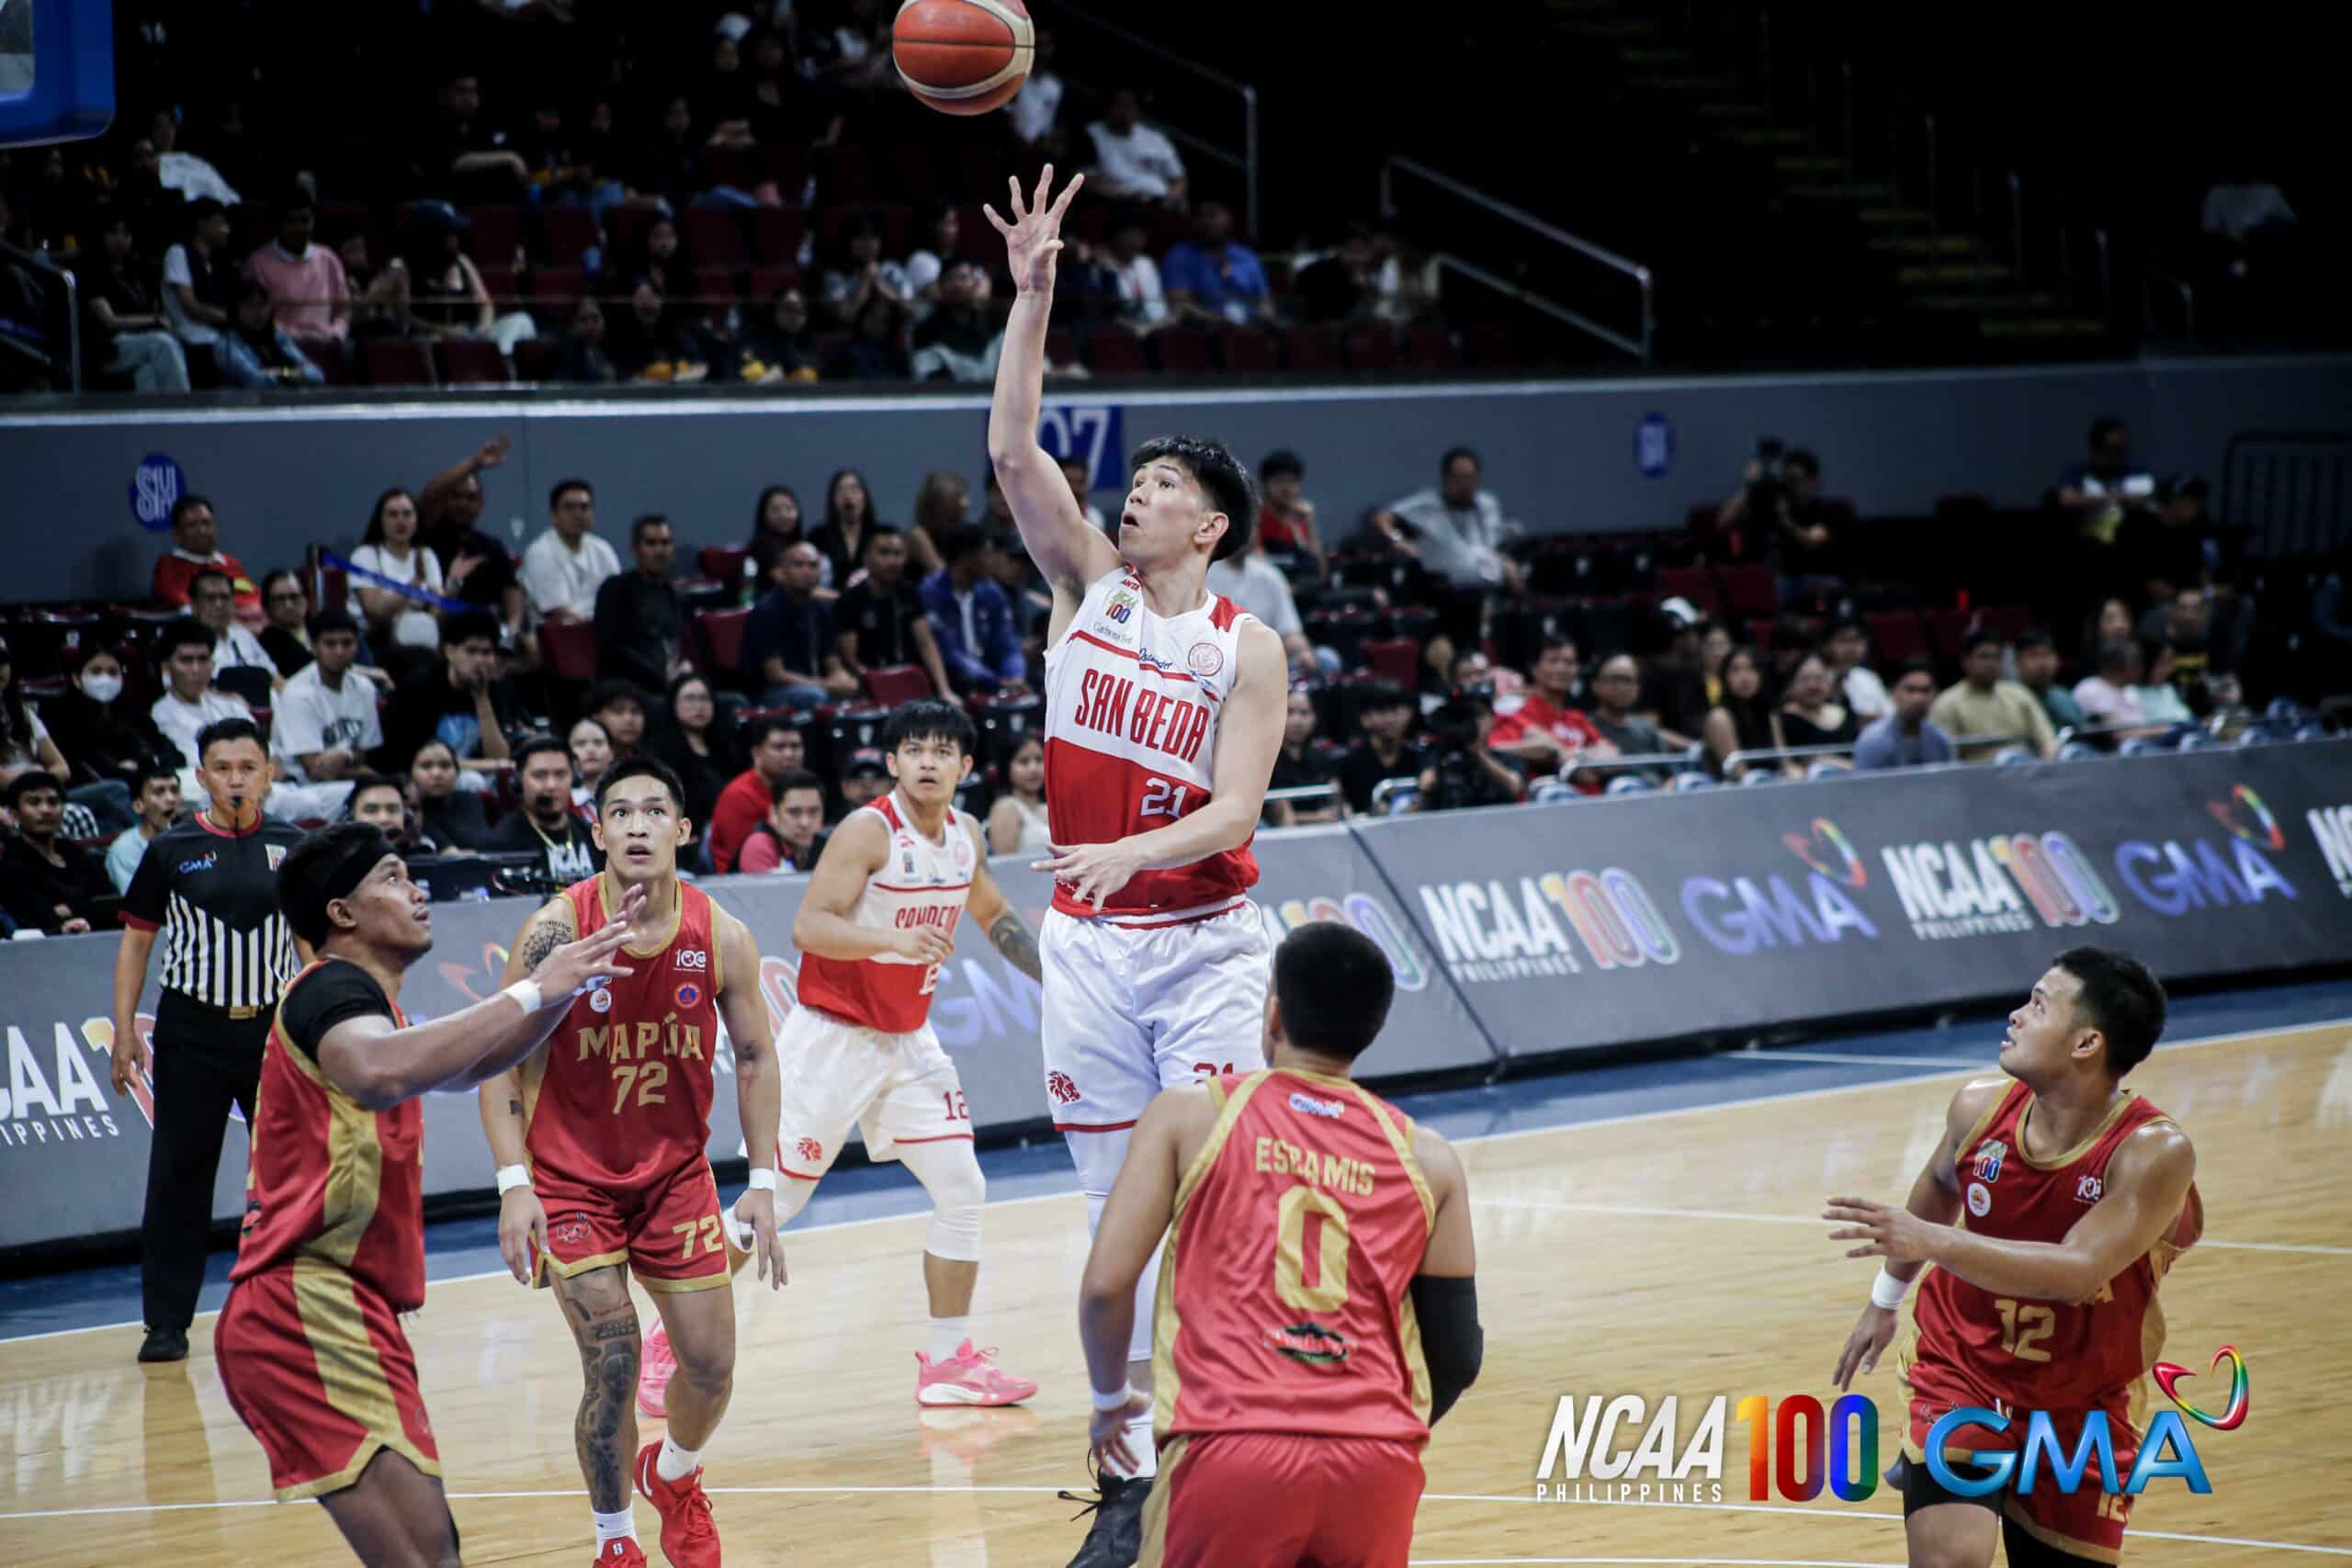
pixel 973 1488
pixel 1824 1093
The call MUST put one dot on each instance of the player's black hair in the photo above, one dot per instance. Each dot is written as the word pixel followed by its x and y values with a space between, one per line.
pixel 557 490
pixel 1281 464
pixel 1452 452
pixel 1224 482
pixel 327 621
pixel 365 783
pixel 534 747
pixel 188 504
pixel 962 541
pixel 182 633
pixel 1909 668
pixel 2036 637
pixel 1550 643
pixel 1978 638
pixel 606 693
pixel 221 731
pixel 148 773
pixel 798 778
pixel 637 530
pixel 325 866
pixel 2119 999
pixel 928 718
pixel 1333 985
pixel 208 574
pixel 641 767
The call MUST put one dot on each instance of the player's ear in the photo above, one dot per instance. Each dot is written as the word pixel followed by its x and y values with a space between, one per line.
pixel 341 916
pixel 966 771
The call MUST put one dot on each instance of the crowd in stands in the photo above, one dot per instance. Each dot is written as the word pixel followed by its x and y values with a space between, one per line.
pixel 1441 657
pixel 754 200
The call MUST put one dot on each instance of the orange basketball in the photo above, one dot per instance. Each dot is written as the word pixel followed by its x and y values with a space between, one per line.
pixel 963 56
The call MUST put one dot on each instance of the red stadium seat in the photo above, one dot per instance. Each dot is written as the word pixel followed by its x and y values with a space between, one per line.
pixel 1692 582
pixel 498 230
pixel 568 234
pixel 1061 346
pixel 2011 621
pixel 1429 348
pixel 1181 351
pixel 715 284
pixel 843 174
pixel 1749 588
pixel 768 282
pixel 1370 348
pixel 471 361
pixel 722 634
pixel 1946 629
pixel 330 354
pixel 536 359
pixel 788 167
pixel 896 684
pixel 570 648
pixel 626 225
pixel 1396 658
pixel 1898 636
pixel 1114 351
pixel 776 235
pixel 714 237
pixel 1244 349
pixel 723 563
pixel 397 362
pixel 1313 349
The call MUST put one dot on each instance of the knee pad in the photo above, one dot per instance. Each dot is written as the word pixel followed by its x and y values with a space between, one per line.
pixel 950 1172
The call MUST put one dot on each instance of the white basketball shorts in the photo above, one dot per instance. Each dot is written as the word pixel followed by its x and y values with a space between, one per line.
pixel 1130 1010
pixel 898 1088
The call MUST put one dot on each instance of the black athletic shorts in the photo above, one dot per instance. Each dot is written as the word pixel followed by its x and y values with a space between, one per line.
pixel 1920 1490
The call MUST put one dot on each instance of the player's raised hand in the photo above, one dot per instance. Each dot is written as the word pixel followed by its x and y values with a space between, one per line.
pixel 756 1208
pixel 1032 237
pixel 1885 1230
pixel 1106 1435
pixel 1094 872
pixel 562 972
pixel 923 945
pixel 522 1224
pixel 1868 1341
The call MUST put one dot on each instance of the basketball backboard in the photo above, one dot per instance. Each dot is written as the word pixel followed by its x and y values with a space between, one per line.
pixel 56 69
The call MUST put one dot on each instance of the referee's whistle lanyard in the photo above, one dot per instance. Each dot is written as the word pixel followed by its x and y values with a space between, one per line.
pixel 241 819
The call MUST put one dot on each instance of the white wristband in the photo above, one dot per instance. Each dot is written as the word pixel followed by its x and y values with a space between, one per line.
pixel 1114 1400
pixel 763 1179
pixel 510 1177
pixel 1886 1291
pixel 525 992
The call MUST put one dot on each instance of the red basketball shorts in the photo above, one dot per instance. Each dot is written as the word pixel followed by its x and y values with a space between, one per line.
pixel 316 1366
pixel 668 1231
pixel 1262 1499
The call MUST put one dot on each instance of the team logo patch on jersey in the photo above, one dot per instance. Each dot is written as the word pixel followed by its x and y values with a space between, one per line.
pixel 1204 659
pixel 810 1149
pixel 600 1001
pixel 1059 1090
pixel 201 863
pixel 689 995
pixel 1988 1161
pixel 1307 1104
pixel 1310 1342
pixel 2090 1189
pixel 692 958
pixel 277 853
pixel 1980 1199
pixel 1122 605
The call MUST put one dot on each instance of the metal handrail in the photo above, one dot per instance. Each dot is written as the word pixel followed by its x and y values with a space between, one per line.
pixel 1626 265
pixel 1247 92
pixel 1577 762
pixel 1787 753
pixel 2150 276
pixel 1306 791
pixel 1536 302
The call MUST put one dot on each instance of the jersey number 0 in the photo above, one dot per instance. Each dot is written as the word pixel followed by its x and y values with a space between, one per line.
pixel 1300 1206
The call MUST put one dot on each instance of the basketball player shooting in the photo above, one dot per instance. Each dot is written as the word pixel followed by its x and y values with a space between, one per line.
pixel 601 1140
pixel 1164 708
pixel 310 1347
pixel 877 921
pixel 1317 1312
pixel 2080 1194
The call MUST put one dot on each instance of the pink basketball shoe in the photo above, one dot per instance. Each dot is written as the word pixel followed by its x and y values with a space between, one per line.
pixel 969 1377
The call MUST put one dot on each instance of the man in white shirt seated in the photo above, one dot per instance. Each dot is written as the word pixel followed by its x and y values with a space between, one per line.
pixel 1131 160
pixel 1039 103
pixel 1258 585
pixel 156 793
pixel 324 722
pixel 189 703
pixel 565 566
pixel 1455 529
pixel 212 599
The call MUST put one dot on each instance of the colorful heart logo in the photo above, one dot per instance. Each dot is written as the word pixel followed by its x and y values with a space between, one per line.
pixel 2232 1414
pixel 1827 851
pixel 2225 812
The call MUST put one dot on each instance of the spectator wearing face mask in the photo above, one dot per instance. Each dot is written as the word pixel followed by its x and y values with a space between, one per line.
pixel 102 735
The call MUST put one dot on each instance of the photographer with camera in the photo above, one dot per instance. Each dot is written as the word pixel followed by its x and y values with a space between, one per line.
pixel 1464 769
pixel 1780 502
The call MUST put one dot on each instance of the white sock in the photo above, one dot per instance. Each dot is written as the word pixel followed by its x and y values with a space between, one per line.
pixel 948 1336
pixel 674 1464
pixel 615 1527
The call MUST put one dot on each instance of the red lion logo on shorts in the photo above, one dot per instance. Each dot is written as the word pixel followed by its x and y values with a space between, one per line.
pixel 570 1231
pixel 1059 1086
pixel 810 1149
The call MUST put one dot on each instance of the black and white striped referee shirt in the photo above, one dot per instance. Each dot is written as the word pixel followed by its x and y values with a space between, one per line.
pixel 213 896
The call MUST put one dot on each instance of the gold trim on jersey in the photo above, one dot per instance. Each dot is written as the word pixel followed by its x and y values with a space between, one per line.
pixel 1165 1323
pixel 550 1269
pixel 351 1374
pixel 1984 1122
pixel 675 1287
pixel 2059 1162
pixel 1154 1549
pixel 1400 1138
pixel 609 893
pixel 2015 1512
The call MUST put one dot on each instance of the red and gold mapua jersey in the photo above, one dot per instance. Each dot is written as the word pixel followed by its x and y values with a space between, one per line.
pixel 1972 1347
pixel 621 1096
pixel 1283 1292
pixel 328 1181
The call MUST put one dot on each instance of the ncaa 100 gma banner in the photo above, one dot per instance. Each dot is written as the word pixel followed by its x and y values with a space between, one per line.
pixel 1516 932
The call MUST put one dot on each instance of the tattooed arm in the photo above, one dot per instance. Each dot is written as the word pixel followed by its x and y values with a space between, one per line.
pixel 521 1220
pixel 994 914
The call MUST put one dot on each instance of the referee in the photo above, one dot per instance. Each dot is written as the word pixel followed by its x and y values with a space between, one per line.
pixel 208 885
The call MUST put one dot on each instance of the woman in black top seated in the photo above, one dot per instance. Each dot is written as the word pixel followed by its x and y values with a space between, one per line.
pixel 1743 720
pixel 1808 718
pixel 450 816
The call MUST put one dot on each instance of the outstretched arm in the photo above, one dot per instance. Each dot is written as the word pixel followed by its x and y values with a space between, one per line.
pixel 2147 1186
pixel 1053 530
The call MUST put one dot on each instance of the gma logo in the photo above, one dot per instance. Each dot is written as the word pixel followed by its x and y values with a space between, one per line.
pixel 2167 1434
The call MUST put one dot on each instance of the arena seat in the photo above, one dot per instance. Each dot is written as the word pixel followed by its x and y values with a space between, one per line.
pixel 891 685
pixel 570 648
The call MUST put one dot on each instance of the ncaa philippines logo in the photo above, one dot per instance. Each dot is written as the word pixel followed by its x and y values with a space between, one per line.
pixel 1122 605
pixel 1988 1161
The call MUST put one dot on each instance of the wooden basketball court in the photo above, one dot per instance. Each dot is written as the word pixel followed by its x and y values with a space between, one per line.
pixel 1668 1254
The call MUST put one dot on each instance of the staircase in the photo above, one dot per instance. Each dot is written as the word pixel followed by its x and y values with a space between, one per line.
pixel 1908 258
